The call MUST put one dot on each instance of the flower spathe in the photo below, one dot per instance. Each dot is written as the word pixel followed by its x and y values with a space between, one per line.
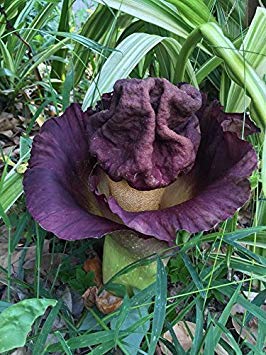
pixel 156 159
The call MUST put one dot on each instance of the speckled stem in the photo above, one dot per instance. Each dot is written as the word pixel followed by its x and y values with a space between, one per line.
pixel 124 248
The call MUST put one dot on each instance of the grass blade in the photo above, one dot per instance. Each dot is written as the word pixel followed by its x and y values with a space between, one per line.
pixel 193 273
pixel 254 52
pixel 177 345
pixel 46 329
pixel 225 316
pixel 159 306
pixel 58 67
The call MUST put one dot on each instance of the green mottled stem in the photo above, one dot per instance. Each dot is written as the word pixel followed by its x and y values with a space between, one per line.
pixel 124 248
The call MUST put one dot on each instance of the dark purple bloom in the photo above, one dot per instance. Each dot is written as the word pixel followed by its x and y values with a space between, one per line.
pixel 152 157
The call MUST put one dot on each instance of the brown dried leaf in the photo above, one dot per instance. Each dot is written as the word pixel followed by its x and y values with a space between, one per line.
pixel 16 255
pixel 21 351
pixel 94 264
pixel 89 296
pixel 7 121
pixel 182 335
pixel 8 133
pixel 107 303
pixel 250 332
pixel 184 338
pixel 49 261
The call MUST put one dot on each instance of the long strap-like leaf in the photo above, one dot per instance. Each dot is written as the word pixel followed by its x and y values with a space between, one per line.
pixel 120 64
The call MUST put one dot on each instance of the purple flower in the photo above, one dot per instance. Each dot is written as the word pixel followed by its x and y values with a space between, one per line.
pixel 152 157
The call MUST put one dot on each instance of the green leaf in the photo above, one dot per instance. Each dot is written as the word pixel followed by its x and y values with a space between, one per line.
pixel 243 265
pixel 4 305
pixel 261 337
pixel 234 236
pixel 194 12
pixel 84 41
pixel 196 345
pixel 63 343
pixel 40 58
pixel 263 166
pixel 258 301
pixel 159 306
pixel 11 190
pixel 10 11
pixel 209 340
pixel 82 280
pixel 207 68
pixel 16 321
pixel 25 144
pixel 144 296
pixel 230 340
pixel 120 64
pixel 85 340
pixel 8 62
pixel 242 250
pixel 225 316
pixel 193 274
pixel 253 50
pixel 66 90
pixel 243 233
pixel 167 51
pixel 20 226
pixel 157 12
pixel 96 28
pixel 240 71
pixel 256 311
pixel 30 32
pixel 58 67
pixel 133 315
pixel 177 345
pixel 103 348
pixel 117 289
pixel 46 330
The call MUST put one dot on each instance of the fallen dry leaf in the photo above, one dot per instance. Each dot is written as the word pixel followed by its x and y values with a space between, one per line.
pixel 247 332
pixel 7 121
pixel 184 338
pixel 94 264
pixel 49 261
pixel 182 335
pixel 21 351
pixel 17 254
pixel 89 296
pixel 106 302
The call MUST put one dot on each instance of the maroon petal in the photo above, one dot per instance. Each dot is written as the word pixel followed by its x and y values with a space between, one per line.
pixel 150 133
pixel 238 123
pixel 219 183
pixel 56 182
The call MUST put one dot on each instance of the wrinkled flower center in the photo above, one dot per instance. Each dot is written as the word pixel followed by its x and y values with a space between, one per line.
pixel 145 142
pixel 147 137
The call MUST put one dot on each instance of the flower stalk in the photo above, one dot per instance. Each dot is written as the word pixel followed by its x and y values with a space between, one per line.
pixel 121 249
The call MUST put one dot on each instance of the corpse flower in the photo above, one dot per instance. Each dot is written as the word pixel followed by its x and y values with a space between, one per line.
pixel 151 159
